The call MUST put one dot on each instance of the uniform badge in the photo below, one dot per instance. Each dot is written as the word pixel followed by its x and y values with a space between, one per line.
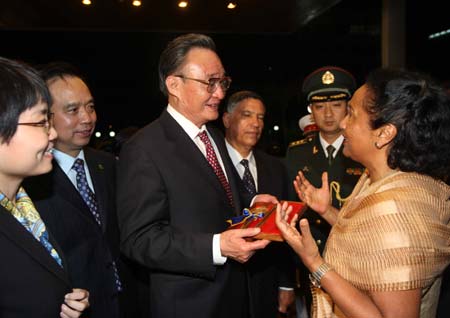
pixel 354 171
pixel 315 150
pixel 328 78
pixel 305 169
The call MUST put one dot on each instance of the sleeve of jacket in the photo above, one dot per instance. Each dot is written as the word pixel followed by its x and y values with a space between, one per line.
pixel 145 220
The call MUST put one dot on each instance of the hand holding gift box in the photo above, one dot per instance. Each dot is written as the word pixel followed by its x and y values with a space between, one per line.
pixel 262 215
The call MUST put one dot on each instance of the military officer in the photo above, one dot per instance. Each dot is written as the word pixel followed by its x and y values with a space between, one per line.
pixel 327 91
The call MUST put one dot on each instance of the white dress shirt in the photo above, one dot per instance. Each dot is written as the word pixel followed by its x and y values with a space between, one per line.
pixel 336 144
pixel 192 131
pixel 66 162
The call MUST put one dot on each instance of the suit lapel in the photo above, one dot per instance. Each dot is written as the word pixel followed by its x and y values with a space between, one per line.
pixel 67 191
pixel 17 234
pixel 184 147
pixel 319 162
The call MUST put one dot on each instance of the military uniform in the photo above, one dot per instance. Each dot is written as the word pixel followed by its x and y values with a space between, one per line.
pixel 308 156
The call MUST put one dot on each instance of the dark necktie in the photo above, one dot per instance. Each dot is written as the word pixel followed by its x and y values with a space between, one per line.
pixel 214 163
pixel 247 178
pixel 85 191
pixel 330 150
pixel 91 201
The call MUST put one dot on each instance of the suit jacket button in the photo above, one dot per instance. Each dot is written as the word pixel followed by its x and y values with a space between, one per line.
pixel 318 221
pixel 319 242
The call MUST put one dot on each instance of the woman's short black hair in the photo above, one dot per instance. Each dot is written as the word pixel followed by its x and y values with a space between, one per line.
pixel 420 110
pixel 21 88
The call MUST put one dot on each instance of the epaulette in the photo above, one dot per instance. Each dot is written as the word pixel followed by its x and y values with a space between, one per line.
pixel 300 142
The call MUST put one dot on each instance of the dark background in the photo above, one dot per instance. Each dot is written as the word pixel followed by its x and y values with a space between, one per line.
pixel 263 49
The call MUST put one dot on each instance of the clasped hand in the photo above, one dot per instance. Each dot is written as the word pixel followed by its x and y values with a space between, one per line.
pixel 75 303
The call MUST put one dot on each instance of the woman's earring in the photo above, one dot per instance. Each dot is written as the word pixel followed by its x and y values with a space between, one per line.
pixel 377 146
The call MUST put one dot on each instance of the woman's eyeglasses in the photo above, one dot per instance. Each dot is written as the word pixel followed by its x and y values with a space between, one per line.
pixel 46 123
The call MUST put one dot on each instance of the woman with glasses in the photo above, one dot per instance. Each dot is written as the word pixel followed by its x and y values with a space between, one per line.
pixel 390 242
pixel 34 282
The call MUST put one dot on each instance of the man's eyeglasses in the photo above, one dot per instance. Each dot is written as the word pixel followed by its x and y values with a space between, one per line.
pixel 46 123
pixel 212 83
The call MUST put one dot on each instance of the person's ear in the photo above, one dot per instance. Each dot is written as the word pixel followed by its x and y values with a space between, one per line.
pixel 386 134
pixel 226 120
pixel 172 84
pixel 309 109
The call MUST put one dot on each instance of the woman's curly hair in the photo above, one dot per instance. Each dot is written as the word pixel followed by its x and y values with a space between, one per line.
pixel 420 110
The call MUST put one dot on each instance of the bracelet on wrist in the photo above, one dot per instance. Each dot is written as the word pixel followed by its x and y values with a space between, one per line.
pixel 316 276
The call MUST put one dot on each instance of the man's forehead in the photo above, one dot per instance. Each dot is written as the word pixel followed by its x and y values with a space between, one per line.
pixel 203 60
pixel 331 102
pixel 250 104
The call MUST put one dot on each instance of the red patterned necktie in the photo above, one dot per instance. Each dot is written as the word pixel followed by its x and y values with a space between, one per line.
pixel 214 163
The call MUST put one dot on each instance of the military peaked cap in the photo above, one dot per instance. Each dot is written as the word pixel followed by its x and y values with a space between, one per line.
pixel 328 83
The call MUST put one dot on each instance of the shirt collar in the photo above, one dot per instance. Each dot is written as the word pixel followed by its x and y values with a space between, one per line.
pixel 66 161
pixel 189 127
pixel 336 144
pixel 236 156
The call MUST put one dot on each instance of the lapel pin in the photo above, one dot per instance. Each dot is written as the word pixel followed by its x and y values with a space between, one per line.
pixel 100 167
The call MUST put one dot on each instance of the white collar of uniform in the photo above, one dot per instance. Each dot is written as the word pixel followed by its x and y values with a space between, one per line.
pixel 336 144
pixel 236 156
pixel 188 126
pixel 66 161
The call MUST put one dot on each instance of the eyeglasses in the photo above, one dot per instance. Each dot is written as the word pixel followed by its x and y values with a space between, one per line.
pixel 46 123
pixel 212 83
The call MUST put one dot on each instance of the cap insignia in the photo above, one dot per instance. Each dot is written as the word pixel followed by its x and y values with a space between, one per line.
pixel 328 78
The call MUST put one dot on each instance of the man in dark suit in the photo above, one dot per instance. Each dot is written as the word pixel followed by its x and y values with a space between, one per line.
pixel 176 189
pixel 271 271
pixel 327 91
pixel 87 231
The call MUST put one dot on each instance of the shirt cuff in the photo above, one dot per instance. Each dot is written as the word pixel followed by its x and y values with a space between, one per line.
pixel 285 288
pixel 218 259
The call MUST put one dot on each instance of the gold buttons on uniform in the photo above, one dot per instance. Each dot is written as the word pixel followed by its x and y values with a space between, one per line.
pixel 319 242
pixel 318 221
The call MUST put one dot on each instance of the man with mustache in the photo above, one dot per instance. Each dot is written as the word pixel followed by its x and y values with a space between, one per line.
pixel 271 271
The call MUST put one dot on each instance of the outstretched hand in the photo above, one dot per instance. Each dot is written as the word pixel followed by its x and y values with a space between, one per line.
pixel 302 243
pixel 316 199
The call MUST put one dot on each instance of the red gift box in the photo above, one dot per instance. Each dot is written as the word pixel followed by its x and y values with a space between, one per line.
pixel 262 215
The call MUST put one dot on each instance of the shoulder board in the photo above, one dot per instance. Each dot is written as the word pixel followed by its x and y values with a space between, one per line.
pixel 299 142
